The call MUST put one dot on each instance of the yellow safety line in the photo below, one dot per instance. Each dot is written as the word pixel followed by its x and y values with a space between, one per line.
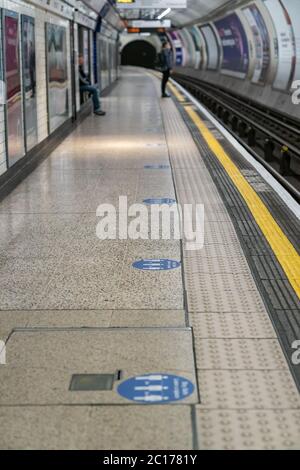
pixel 280 244
pixel 178 95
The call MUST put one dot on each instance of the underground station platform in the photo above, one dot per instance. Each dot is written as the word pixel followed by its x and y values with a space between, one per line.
pixel 139 342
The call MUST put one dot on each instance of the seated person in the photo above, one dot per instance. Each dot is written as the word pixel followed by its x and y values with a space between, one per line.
pixel 85 85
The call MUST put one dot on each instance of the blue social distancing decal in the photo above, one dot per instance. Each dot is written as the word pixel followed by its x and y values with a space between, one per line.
pixel 156 264
pixel 164 200
pixel 156 388
pixel 157 167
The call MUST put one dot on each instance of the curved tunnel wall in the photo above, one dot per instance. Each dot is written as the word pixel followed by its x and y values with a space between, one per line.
pixel 254 50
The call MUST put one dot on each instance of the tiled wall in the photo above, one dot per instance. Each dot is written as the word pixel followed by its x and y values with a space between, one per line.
pixel 41 18
pixel 2 133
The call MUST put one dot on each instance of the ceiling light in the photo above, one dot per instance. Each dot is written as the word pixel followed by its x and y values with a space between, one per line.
pixel 164 13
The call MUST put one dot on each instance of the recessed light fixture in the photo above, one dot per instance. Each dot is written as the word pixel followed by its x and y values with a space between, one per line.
pixel 164 13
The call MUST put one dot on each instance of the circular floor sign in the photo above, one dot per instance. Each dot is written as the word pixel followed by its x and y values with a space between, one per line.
pixel 157 167
pixel 156 388
pixel 164 200
pixel 156 264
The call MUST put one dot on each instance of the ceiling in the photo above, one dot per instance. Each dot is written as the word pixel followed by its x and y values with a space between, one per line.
pixel 195 11
pixel 136 14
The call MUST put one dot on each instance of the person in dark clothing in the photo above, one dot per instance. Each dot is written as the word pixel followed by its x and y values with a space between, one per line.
pixel 85 85
pixel 166 59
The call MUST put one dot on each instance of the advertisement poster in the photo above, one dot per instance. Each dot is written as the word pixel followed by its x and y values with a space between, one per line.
pixel 104 64
pixel 86 54
pixel 292 7
pixel 15 137
pixel 177 47
pixel 285 43
pixel 2 84
pixel 58 105
pixel 235 46
pixel 29 80
pixel 261 43
pixel 212 47
pixel 196 36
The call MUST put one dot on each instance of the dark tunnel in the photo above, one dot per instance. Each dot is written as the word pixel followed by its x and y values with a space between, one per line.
pixel 139 53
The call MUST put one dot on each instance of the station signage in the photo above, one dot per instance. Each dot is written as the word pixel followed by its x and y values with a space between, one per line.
pixel 149 24
pixel 84 20
pixel 56 6
pixel 149 4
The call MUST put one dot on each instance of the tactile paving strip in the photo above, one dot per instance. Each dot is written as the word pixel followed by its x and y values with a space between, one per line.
pixel 183 155
pixel 247 354
pixel 231 325
pixel 215 250
pixel 248 389
pixel 256 246
pixel 248 429
pixel 223 293
pixel 223 234
pixel 288 321
pixel 281 295
pixel 200 195
pixel 268 267
pixel 182 181
pixel 218 265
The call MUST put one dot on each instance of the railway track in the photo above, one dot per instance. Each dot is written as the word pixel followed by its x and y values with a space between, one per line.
pixel 271 137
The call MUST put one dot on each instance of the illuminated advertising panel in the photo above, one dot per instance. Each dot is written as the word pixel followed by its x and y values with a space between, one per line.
pixel 293 8
pixel 58 103
pixel 212 47
pixel 29 81
pixel 285 44
pixel 195 35
pixel 177 47
pixel 149 24
pixel 86 52
pixel 14 112
pixel 2 84
pixel 261 43
pixel 235 46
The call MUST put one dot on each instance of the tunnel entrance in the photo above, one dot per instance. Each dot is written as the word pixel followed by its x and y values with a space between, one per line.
pixel 139 53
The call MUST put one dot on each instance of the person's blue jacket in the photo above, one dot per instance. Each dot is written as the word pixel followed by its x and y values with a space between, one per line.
pixel 166 59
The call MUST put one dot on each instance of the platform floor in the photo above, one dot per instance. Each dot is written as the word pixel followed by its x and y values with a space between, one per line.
pixel 72 304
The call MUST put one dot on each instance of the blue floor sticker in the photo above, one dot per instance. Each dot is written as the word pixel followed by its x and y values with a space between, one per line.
pixel 156 388
pixel 164 200
pixel 156 264
pixel 157 167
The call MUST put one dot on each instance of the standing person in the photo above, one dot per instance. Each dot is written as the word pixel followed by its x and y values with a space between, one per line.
pixel 166 58
pixel 85 85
